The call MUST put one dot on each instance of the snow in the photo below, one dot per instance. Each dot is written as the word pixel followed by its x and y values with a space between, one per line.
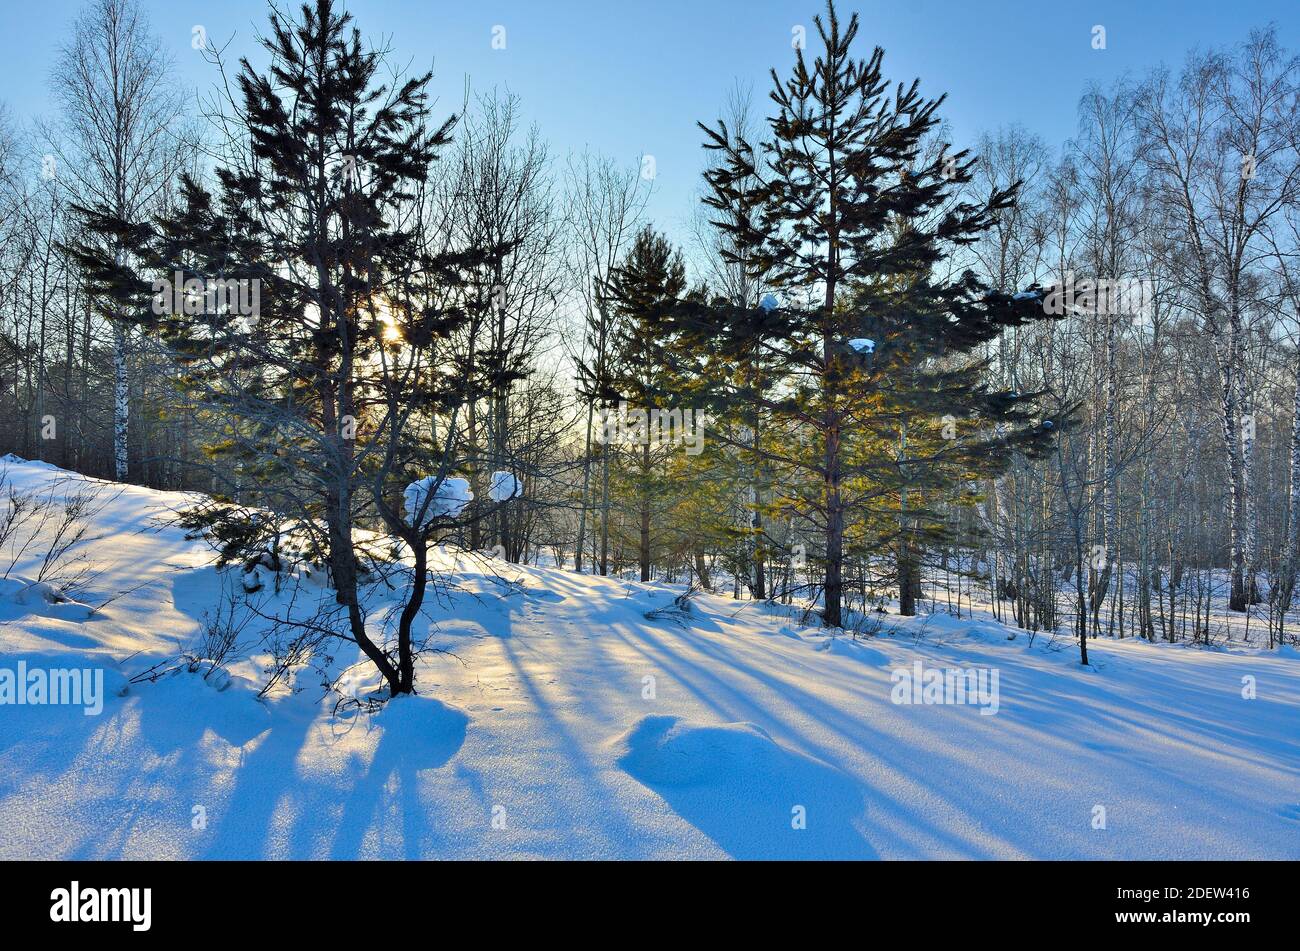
pixel 746 790
pixel 571 725
pixel 40 597
pixel 450 496
pixel 504 486
pixel 863 345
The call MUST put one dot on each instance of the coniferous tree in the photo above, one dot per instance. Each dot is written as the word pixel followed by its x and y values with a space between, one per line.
pixel 641 292
pixel 835 180
pixel 322 393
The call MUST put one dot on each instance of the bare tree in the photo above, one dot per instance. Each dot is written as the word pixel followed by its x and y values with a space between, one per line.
pixel 1220 145
pixel 502 195
pixel 605 206
pixel 116 144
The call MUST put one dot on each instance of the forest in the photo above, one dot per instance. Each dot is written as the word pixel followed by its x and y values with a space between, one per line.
pixel 884 372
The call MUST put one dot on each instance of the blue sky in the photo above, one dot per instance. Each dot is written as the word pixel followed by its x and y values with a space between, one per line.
pixel 631 78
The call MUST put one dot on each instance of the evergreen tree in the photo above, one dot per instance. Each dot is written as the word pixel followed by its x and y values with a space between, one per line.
pixel 640 294
pixel 854 231
pixel 325 392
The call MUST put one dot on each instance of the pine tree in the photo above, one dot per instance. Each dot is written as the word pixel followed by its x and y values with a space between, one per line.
pixel 640 294
pixel 853 231
pixel 317 208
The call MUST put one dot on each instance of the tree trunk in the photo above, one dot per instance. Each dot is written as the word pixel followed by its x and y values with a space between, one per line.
pixel 121 402
pixel 604 512
pixel 702 570
pixel 645 512
pixel 833 592
pixel 586 493
pixel 1291 558
pixel 909 582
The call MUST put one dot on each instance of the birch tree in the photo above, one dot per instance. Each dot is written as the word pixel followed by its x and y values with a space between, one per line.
pixel 1220 146
pixel 116 144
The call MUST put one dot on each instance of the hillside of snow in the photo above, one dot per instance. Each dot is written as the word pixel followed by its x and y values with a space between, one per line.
pixel 559 721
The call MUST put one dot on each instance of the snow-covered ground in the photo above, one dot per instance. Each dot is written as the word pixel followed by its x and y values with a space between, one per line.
pixel 565 723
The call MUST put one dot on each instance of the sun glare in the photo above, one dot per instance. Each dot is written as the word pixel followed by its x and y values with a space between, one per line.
pixel 392 332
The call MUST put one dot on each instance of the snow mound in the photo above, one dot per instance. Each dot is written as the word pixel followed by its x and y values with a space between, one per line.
pixel 41 598
pixel 450 496
pixel 183 706
pixel 419 732
pixel 664 751
pixel 854 648
pixel 505 486
pixel 753 796
pixel 13 459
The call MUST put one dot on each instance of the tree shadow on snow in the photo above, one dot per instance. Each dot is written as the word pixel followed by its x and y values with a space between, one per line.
pixel 752 796
pixel 419 733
